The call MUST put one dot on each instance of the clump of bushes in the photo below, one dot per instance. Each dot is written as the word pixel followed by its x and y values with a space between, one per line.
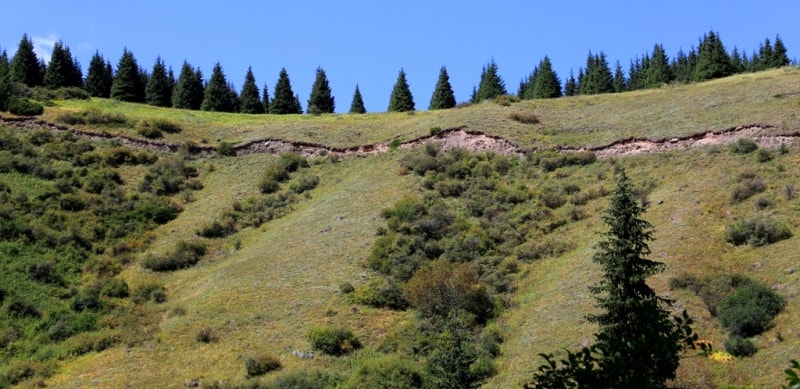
pixel 217 229
pixel 205 335
pixel 24 107
pixel 304 183
pixel 743 146
pixel 226 149
pixel 161 125
pixel 185 254
pixel 740 347
pixel 260 364
pixel 757 231
pixel 333 340
pixel 379 293
pixel 749 310
pixel 550 161
pixel 153 291
pixel 746 188
pixel 386 372
pixel 506 100
pixel 149 132
pixel 524 118
pixel 306 379
pixel 92 116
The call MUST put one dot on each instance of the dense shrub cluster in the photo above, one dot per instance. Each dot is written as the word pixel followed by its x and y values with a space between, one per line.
pixel 260 364
pixel 333 340
pixel 757 231
pixel 749 310
pixel 743 146
pixel 740 347
pixel 185 254
pixel 24 107
pixel 92 116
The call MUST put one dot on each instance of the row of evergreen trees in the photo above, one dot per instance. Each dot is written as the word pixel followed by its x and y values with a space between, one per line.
pixel 159 87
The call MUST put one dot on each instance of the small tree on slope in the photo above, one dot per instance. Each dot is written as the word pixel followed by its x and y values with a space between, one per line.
pixel 638 344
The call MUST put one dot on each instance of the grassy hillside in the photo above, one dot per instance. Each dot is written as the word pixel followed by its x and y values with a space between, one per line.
pixel 261 289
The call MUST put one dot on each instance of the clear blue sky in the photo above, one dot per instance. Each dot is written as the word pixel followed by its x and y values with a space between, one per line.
pixel 367 42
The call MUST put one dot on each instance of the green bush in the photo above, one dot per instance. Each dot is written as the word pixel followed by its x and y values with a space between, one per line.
pixel 389 371
pixel 24 107
pixel 743 146
pixel 92 116
pixel 149 292
pixel 260 364
pixel 749 310
pixel 506 100
pixel 758 231
pixel 162 125
pixel 306 379
pixel 333 340
pixel 378 293
pixel 226 149
pixel 524 118
pixel 185 254
pixel 304 183
pixel 747 188
pixel 740 347
pixel 292 161
pixel 217 229
pixel 115 287
pixel 764 155
pixel 150 132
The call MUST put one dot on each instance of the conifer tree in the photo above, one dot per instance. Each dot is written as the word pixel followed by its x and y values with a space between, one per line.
pixel 765 55
pixel 546 84
pixel 658 71
pixel 198 89
pixel 619 79
pixel 321 100
pixel 712 60
pixel 401 99
pixel 779 56
pixel 597 77
pixel 250 98
pixel 127 84
pixel 443 96
pixel 571 86
pixel 491 85
pixel 284 101
pixel 62 71
pixel 297 105
pixel 525 91
pixel 357 105
pixel 99 77
pixel 218 95
pixel 25 66
pixel 265 96
pixel 158 90
pixel 737 63
pixel 638 343
pixel 182 94
pixel 5 80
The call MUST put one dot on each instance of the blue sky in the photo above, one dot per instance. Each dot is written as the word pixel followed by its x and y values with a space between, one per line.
pixel 367 42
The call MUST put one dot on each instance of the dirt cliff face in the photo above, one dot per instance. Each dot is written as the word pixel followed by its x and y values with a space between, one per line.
pixel 454 138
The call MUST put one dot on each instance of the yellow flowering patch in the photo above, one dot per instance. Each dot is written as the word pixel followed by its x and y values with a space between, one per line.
pixel 721 356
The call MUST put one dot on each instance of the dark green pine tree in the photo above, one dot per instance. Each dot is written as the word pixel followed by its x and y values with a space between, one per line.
pixel 620 85
pixel 188 91
pixel 321 100
pixel 682 67
pixel 284 100
pixel 250 98
pixel 265 96
pixel 127 84
pixel 570 86
pixel 491 85
pixel 737 63
pixel 218 95
pixel 5 80
pixel 597 77
pixel 712 60
pixel 546 84
pixel 99 77
pixel 357 105
pixel 658 71
pixel 401 99
pixel 779 56
pixel 158 90
pixel 297 105
pixel 63 70
pixel 525 91
pixel 443 96
pixel 638 343
pixel 25 66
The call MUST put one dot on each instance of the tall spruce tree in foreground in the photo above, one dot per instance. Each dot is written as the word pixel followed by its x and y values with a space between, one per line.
pixel 127 84
pixel 63 70
pixel 250 98
pixel 491 85
pixel 638 344
pixel 443 96
pixel 546 84
pixel 25 66
pixel 357 105
pixel 712 59
pixel 219 96
pixel 401 99
pixel 188 91
pixel 158 90
pixel 321 100
pixel 284 101
pixel 99 77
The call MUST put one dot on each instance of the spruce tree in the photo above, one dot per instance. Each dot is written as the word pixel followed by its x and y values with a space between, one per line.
pixel 218 95
pixel 401 99
pixel 198 90
pixel 158 90
pixel 99 77
pixel 265 99
pixel 571 86
pixel 619 79
pixel 63 70
pixel 712 60
pixel 25 66
pixel 250 98
pixel 779 56
pixel 321 100
pixel 658 71
pixel 737 63
pixel 182 93
pixel 357 105
pixel 284 100
pixel 491 84
pixel 546 84
pixel 443 96
pixel 639 342
pixel 297 105
pixel 5 80
pixel 127 84
pixel 597 77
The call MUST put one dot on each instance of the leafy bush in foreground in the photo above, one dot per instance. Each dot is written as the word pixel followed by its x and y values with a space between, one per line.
pixel 24 107
pixel 333 340
pixel 749 310
pixel 740 347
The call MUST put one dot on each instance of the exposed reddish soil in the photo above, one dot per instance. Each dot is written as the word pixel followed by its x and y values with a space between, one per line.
pixel 474 141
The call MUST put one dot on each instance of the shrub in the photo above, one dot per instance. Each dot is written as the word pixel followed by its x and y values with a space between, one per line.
pixel 749 310
pixel 740 347
pixel 758 231
pixel 747 188
pixel 379 293
pixel 788 191
pixel 307 379
pixel 435 131
pixel 92 116
pixel 115 287
pixel 524 118
pixel 763 155
pixel 344 288
pixel 269 185
pixel 743 146
pixel 386 372
pixel 762 203
pixel 260 364
pixel 217 229
pixel 292 161
pixel 149 292
pixel 161 125
pixel 150 133
pixel 304 183
pixel 24 107
pixel 185 254
pixel 205 335
pixel 226 149
pixel 506 100
pixel 333 340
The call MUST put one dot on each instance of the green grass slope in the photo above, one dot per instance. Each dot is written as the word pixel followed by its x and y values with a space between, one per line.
pixel 263 288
